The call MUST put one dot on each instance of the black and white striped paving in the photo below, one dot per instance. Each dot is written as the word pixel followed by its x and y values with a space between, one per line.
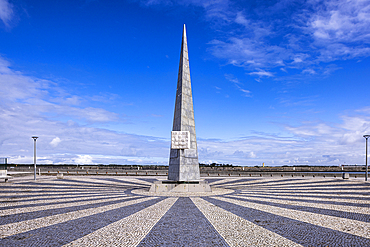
pixel 119 211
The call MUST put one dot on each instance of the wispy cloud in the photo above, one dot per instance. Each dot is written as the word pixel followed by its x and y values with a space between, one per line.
pixel 213 8
pixel 64 140
pixel 6 12
pixel 238 85
pixel 340 29
pixel 33 95
pixel 248 53
pixel 287 37
pixel 307 143
pixel 341 21
pixel 55 142
pixel 155 2
pixel 64 125
pixel 294 37
pixel 315 32
pixel 262 73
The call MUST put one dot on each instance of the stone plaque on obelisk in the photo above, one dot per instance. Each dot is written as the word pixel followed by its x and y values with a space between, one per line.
pixel 184 165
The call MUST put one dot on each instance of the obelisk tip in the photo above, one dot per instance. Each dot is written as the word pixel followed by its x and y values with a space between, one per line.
pixel 184 33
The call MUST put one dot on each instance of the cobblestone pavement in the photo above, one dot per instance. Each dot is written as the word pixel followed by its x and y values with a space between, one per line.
pixel 119 211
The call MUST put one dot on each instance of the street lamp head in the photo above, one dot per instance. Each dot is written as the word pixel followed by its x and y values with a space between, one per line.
pixel 34 137
pixel 366 136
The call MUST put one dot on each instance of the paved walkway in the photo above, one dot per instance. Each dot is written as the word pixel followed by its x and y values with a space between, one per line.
pixel 118 211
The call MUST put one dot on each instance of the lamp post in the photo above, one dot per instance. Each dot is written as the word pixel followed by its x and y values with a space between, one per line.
pixel 366 137
pixel 34 155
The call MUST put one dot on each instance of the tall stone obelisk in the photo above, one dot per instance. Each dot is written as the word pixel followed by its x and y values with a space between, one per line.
pixel 184 165
pixel 183 171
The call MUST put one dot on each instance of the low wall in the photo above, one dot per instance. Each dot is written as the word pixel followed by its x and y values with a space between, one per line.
pixel 358 171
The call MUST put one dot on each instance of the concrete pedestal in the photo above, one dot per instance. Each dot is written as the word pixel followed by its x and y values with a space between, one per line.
pixel 174 186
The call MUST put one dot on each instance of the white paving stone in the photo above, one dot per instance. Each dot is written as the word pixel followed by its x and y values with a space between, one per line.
pixel 65 204
pixel 28 225
pixel 128 231
pixel 354 227
pixel 65 200
pixel 237 231
pixel 311 201
pixel 317 204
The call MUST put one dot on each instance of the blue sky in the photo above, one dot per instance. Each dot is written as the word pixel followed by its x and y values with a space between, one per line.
pixel 279 82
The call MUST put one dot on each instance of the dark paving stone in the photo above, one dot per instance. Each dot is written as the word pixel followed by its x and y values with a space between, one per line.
pixel 64 233
pixel 183 225
pixel 300 232
pixel 48 212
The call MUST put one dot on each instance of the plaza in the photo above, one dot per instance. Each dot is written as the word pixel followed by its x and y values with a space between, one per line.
pixel 240 211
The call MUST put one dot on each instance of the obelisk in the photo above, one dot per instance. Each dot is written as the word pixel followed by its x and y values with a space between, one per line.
pixel 183 171
pixel 184 165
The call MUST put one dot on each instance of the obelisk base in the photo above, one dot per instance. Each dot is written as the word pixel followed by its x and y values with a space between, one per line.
pixel 176 186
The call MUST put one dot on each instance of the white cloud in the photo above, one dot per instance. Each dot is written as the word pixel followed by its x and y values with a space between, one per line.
pixel 55 142
pixel 96 114
pixel 65 130
pixel 307 143
pixel 262 73
pixel 213 8
pixel 316 32
pixel 232 79
pixel 67 141
pixel 73 100
pixel 334 30
pixel 238 85
pixel 247 93
pixel 84 159
pixel 282 35
pixel 246 52
pixel 342 20
pixel 31 96
pixel 6 12
pixel 341 29
pixel 309 71
pixel 252 155
pixel 240 19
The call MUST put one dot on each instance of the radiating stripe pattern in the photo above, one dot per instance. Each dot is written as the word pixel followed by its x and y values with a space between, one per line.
pixel 107 211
